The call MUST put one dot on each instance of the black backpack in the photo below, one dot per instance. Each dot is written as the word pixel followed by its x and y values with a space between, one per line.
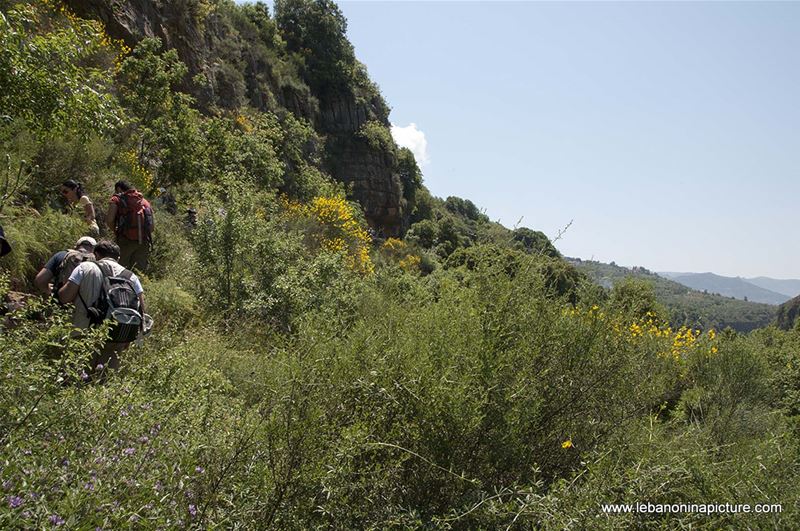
pixel 118 303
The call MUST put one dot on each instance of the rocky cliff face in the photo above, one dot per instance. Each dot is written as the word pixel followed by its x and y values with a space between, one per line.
pixel 371 173
pixel 217 50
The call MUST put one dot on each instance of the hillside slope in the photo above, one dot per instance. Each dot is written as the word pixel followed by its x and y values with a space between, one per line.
pixel 787 313
pixel 735 287
pixel 685 305
pixel 239 56
pixel 789 287
pixel 303 373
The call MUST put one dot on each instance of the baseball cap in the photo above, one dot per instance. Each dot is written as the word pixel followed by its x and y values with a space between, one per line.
pixel 86 240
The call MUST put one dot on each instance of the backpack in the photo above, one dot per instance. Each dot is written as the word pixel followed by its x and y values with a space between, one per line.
pixel 71 260
pixel 134 216
pixel 118 303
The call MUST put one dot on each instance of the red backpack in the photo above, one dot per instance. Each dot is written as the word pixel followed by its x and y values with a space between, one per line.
pixel 134 216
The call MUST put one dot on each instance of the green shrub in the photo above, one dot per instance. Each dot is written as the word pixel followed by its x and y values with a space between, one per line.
pixel 172 255
pixel 378 137
pixel 35 237
pixel 174 307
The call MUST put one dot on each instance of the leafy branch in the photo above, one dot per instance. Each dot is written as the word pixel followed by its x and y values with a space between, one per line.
pixel 13 181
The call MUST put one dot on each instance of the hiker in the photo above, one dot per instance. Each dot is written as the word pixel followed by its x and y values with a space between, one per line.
pixel 130 217
pixel 5 248
pixel 60 266
pixel 73 192
pixel 106 290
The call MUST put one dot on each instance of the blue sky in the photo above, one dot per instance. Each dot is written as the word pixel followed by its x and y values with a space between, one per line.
pixel 669 133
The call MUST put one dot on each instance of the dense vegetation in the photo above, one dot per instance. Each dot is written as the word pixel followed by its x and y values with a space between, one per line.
pixel 305 374
pixel 788 312
pixel 685 306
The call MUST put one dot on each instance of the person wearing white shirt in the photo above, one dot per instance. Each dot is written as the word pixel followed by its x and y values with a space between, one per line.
pixel 84 286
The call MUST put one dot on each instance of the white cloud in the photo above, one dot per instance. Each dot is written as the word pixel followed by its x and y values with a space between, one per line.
pixel 413 139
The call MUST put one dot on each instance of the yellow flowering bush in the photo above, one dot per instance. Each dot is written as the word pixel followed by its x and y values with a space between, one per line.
pixel 243 123
pixel 335 229
pixel 675 344
pixel 101 42
pixel 141 178
pixel 396 250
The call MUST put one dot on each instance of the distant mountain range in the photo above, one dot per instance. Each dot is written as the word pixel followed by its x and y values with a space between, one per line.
pixel 687 306
pixel 790 287
pixel 760 289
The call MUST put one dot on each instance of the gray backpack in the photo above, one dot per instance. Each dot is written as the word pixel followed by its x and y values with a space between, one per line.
pixel 118 303
pixel 71 260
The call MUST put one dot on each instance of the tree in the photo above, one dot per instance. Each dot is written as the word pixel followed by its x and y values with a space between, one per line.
pixel 169 130
pixel 316 31
pixel 147 78
pixel 410 176
pixel 534 241
pixel 49 73
pixel 464 208
pixel 636 298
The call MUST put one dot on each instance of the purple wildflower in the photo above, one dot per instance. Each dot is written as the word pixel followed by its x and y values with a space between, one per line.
pixel 199 469
pixel 129 451
pixel 56 520
pixel 88 485
pixel 192 509
pixel 100 366
pixel 144 439
pixel 84 376
pixel 14 501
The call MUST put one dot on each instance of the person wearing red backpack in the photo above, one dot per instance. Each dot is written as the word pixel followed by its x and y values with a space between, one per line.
pixel 130 217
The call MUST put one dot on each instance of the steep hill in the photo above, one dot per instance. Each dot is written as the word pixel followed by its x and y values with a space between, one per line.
pixel 787 313
pixel 735 287
pixel 789 287
pixel 298 61
pixel 685 305
pixel 303 373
